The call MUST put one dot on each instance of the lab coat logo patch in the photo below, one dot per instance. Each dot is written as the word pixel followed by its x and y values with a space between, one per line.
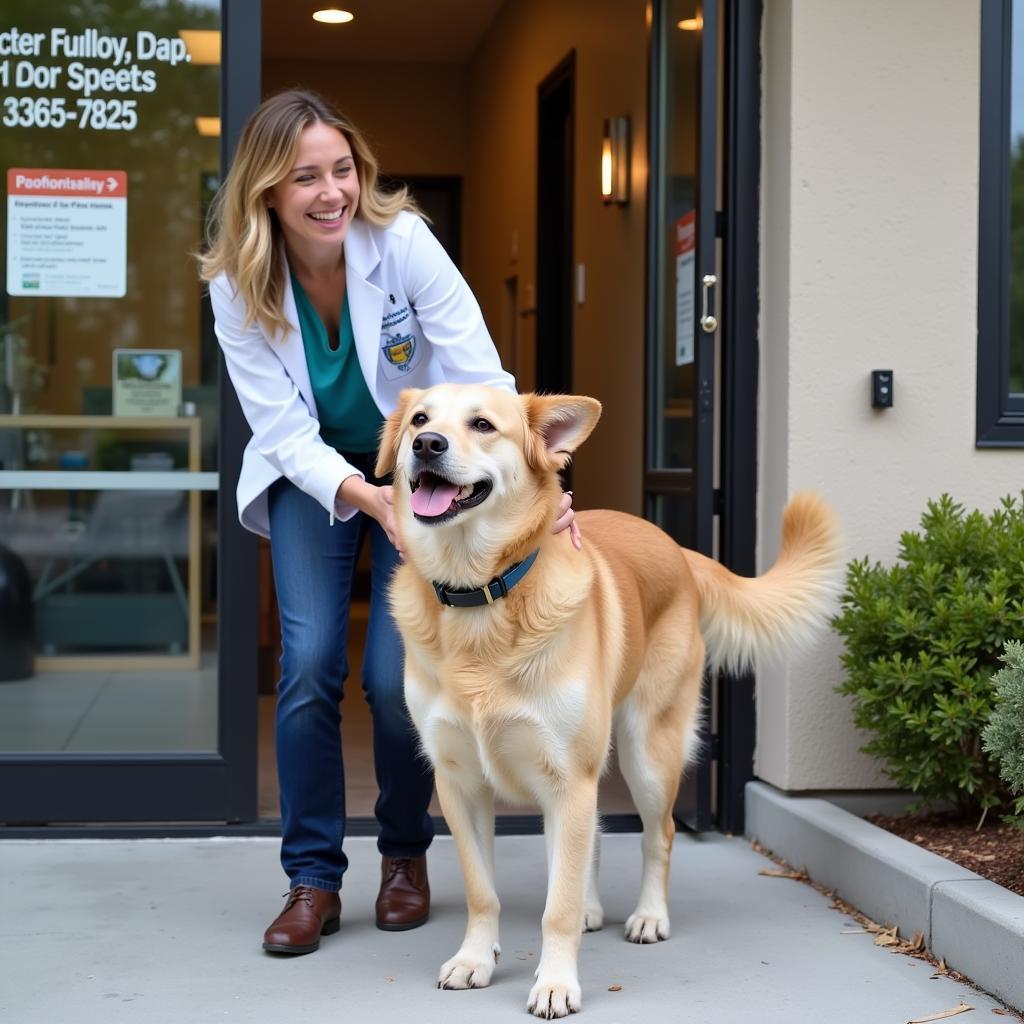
pixel 398 350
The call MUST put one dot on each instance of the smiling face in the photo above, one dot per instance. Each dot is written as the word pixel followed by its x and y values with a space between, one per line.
pixel 460 445
pixel 476 473
pixel 317 199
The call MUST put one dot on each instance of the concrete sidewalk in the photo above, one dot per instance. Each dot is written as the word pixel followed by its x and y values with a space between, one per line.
pixel 169 931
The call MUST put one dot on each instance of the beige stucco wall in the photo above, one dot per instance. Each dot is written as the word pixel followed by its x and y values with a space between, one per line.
pixel 869 260
pixel 524 44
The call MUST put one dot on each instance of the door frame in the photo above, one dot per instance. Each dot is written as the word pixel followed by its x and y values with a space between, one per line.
pixel 167 787
pixel 737 501
pixel 238 549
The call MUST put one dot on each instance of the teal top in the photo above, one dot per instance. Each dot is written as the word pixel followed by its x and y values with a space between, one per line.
pixel 349 418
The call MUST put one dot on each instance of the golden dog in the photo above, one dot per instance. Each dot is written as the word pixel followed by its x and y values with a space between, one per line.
pixel 516 681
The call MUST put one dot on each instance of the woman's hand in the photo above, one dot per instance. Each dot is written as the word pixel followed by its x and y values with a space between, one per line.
pixel 386 518
pixel 376 501
pixel 567 521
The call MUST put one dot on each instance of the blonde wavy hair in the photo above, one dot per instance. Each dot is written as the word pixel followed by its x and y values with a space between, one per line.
pixel 243 236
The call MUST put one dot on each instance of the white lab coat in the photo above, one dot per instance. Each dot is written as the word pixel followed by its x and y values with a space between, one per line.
pixel 415 323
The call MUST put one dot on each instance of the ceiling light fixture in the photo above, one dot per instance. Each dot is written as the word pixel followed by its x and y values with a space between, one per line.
pixel 332 16
pixel 209 126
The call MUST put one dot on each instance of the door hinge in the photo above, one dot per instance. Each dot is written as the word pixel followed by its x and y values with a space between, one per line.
pixel 717 502
pixel 716 747
pixel 719 223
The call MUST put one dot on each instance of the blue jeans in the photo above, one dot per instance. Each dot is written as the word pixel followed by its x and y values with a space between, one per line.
pixel 314 565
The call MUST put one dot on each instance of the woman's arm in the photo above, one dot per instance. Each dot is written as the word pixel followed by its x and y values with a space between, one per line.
pixel 285 432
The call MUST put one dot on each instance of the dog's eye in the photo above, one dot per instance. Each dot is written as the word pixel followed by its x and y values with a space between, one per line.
pixel 484 426
pixel 419 419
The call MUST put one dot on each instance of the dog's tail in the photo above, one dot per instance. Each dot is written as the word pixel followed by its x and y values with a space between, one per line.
pixel 745 619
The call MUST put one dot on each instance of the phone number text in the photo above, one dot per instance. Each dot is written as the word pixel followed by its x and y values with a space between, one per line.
pixel 53 112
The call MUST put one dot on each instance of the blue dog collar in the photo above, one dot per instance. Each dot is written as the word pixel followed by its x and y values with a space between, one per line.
pixel 498 587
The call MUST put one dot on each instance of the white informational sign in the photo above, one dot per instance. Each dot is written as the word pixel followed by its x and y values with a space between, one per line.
pixel 66 232
pixel 686 285
pixel 147 381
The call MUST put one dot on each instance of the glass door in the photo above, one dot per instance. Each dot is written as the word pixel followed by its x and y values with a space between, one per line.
pixel 683 295
pixel 111 701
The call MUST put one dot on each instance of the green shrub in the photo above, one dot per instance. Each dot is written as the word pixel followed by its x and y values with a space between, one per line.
pixel 923 638
pixel 1004 734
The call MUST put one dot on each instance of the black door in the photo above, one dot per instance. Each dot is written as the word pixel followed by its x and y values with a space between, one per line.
pixel 682 303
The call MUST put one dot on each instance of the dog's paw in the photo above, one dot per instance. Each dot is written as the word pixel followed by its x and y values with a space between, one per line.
pixel 551 998
pixel 646 927
pixel 468 971
pixel 593 918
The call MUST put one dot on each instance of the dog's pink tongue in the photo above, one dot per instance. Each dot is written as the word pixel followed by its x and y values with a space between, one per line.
pixel 433 499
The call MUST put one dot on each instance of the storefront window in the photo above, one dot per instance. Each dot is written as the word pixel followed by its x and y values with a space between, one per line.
pixel 1000 388
pixel 108 375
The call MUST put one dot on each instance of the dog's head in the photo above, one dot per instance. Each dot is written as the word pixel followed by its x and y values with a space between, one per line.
pixel 479 462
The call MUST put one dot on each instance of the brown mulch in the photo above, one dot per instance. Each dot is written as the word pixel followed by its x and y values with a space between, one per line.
pixel 995 851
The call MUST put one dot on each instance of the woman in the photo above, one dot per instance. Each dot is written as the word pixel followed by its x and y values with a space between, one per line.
pixel 330 296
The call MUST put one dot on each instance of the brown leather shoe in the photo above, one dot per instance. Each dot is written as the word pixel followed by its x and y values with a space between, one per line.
pixel 308 914
pixel 404 898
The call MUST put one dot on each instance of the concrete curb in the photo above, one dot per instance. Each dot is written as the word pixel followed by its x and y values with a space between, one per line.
pixel 976 926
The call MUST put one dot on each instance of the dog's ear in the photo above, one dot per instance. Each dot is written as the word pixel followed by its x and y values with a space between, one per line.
pixel 556 426
pixel 391 431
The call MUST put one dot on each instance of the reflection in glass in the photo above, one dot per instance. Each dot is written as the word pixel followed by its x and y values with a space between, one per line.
pixel 672 447
pixel 110 577
pixel 109 569
pixel 673 425
pixel 120 572
pixel 674 513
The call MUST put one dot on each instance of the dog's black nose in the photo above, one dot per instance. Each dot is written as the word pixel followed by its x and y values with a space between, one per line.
pixel 429 445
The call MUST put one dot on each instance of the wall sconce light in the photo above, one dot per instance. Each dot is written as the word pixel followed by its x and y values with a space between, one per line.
pixel 615 161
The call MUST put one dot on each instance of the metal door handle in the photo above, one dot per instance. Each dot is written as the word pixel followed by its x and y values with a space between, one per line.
pixel 708 321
